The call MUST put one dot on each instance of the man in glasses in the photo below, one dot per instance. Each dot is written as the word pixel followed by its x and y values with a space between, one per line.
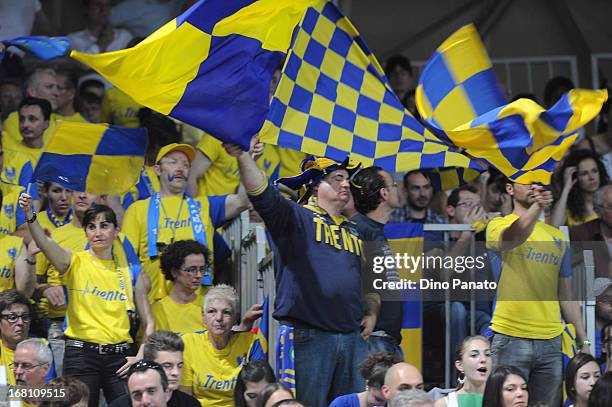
pixel 148 385
pixel 15 318
pixel 32 362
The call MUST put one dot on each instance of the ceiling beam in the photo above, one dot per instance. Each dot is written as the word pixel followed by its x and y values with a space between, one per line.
pixel 491 16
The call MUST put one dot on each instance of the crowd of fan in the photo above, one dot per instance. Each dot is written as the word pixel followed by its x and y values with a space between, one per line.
pixel 74 306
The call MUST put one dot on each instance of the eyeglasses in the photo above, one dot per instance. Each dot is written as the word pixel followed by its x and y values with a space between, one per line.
pixel 144 365
pixel 467 204
pixel 196 270
pixel 394 185
pixel 12 318
pixel 26 367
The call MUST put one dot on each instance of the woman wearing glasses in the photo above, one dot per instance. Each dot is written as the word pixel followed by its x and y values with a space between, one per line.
pixel 99 287
pixel 184 263
pixel 214 358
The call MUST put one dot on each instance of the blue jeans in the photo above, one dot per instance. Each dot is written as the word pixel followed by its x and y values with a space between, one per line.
pixel 384 344
pixel 540 360
pixel 327 365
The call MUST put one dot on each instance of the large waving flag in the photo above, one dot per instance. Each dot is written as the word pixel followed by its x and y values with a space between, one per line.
pixel 333 99
pixel 460 99
pixel 95 158
pixel 42 47
pixel 210 67
pixel 407 238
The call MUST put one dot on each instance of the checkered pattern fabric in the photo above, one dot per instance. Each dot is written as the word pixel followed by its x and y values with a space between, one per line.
pixel 333 99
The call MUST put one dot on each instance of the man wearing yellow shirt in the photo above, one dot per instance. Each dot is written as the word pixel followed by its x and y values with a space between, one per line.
pixel 66 91
pixel 41 84
pixel 213 172
pixel 169 216
pixel 118 108
pixel 184 263
pixel 535 274
pixel 20 159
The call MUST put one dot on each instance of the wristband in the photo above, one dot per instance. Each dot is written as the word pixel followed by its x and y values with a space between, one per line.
pixel 33 218
pixel 581 344
pixel 30 262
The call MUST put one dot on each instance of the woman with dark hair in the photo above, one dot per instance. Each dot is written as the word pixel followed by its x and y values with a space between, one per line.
pixel 601 395
pixel 581 374
pixel 99 284
pixel 274 393
pixel 373 370
pixel 583 174
pixel 506 387
pixel 473 362
pixel 252 379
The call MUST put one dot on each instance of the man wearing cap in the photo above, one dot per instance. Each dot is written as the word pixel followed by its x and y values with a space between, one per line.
pixel 171 215
pixel 318 277
pixel 602 291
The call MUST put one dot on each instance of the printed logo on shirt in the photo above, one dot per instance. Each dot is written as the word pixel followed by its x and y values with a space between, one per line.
pixel 12 253
pixel 169 223
pixel 5 272
pixel 341 238
pixel 558 243
pixel 9 210
pixel 542 256
pixel 106 295
pixel 10 173
pixel 210 382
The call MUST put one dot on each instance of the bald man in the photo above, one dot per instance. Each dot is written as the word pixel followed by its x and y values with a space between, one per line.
pixel 399 377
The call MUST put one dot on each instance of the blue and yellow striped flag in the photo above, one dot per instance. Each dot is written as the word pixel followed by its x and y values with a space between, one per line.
pixel 262 329
pixel 95 158
pixel 407 238
pixel 333 99
pixel 210 67
pixel 460 99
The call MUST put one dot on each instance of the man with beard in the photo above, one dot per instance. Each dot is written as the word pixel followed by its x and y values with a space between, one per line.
pixel 419 195
pixel 534 291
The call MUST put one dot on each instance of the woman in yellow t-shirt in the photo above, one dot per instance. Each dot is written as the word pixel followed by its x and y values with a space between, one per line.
pixel 213 358
pixel 583 173
pixel 100 296
pixel 184 263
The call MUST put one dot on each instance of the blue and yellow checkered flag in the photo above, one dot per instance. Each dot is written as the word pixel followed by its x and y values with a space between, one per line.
pixel 211 66
pixel 460 99
pixel 95 158
pixel 333 99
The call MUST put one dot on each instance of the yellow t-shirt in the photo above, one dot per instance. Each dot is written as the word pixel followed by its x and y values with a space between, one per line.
pixel 10 214
pixel 69 237
pixel 527 301
pixel 99 298
pixel 7 356
pixel 222 176
pixel 118 108
pixel 76 117
pixel 212 373
pixel 18 166
pixel 173 217
pixel 11 137
pixel 179 318
pixel 10 247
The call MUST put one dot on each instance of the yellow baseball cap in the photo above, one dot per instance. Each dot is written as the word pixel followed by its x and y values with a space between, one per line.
pixel 183 148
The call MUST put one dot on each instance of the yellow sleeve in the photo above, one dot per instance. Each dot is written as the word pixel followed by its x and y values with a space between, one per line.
pixel 495 228
pixel 210 147
pixel 67 277
pixel 187 379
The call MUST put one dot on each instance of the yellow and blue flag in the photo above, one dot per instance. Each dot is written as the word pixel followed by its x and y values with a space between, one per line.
pixel 333 99
pixel 262 330
pixel 461 101
pixel 211 66
pixel 408 238
pixel 95 158
pixel 285 357
pixel 41 47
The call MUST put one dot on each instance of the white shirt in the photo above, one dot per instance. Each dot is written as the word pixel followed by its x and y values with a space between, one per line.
pixel 84 41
